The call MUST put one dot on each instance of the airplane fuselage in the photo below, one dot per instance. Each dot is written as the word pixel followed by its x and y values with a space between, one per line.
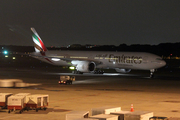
pixel 104 59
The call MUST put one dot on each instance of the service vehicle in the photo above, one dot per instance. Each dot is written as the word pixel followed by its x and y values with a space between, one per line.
pixel 66 79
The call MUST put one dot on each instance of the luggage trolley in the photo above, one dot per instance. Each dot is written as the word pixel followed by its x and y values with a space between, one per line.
pixel 37 102
pixel 15 103
pixel 45 101
pixel 4 99
pixel 25 95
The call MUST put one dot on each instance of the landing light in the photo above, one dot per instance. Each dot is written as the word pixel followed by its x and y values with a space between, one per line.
pixel 55 59
pixel 72 68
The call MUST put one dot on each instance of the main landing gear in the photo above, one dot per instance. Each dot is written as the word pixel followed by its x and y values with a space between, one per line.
pixel 152 73
pixel 98 71
pixel 76 72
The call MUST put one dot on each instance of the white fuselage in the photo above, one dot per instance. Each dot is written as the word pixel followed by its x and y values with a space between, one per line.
pixel 104 59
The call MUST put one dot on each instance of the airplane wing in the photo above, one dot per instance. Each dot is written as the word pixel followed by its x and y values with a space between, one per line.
pixel 68 60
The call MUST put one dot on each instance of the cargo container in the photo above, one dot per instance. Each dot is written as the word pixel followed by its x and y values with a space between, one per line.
pixel 105 117
pixel 105 110
pixel 4 99
pixel 15 103
pixel 45 100
pixel 138 115
pixel 77 114
pixel 37 102
pixel 23 94
pixel 120 114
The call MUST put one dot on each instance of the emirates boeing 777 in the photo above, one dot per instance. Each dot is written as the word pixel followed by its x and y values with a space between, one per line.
pixel 91 61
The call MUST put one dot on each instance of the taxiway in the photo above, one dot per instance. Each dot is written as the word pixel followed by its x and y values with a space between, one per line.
pixel 159 95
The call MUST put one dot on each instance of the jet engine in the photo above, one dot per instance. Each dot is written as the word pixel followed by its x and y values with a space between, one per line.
pixel 122 70
pixel 86 66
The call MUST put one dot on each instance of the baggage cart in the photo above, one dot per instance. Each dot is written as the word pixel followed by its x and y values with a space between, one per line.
pixel 3 99
pixel 138 115
pixel 77 114
pixel 120 114
pixel 37 102
pixel 23 94
pixel 105 110
pixel 105 117
pixel 15 103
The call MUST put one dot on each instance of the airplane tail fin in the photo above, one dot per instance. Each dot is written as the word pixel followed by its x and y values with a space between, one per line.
pixel 38 43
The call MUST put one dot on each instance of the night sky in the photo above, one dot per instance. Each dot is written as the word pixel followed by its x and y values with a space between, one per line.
pixel 99 22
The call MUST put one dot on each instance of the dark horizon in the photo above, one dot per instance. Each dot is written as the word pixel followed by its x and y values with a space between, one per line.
pixel 163 49
pixel 95 45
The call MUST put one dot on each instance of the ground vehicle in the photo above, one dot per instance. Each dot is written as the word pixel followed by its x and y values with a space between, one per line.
pixel 37 102
pixel 66 79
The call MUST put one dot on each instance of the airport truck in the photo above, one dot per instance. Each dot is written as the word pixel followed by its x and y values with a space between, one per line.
pixel 65 79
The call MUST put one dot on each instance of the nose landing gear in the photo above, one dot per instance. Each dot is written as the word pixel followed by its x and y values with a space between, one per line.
pixel 152 73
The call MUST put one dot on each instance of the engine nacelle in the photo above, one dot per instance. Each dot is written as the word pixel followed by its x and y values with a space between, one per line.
pixel 86 66
pixel 122 70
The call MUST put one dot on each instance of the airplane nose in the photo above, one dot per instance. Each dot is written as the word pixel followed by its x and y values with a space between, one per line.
pixel 163 63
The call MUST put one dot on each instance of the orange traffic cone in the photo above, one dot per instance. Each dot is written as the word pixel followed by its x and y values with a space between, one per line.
pixel 132 109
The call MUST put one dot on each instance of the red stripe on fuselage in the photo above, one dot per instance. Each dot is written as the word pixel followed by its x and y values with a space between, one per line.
pixel 43 54
pixel 48 60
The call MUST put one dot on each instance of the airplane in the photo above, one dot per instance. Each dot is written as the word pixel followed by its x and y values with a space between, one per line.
pixel 94 61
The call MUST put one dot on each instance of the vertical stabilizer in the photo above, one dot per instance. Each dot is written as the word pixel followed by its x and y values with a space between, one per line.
pixel 38 43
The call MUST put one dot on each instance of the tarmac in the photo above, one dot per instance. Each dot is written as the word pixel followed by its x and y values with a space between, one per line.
pixel 161 95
